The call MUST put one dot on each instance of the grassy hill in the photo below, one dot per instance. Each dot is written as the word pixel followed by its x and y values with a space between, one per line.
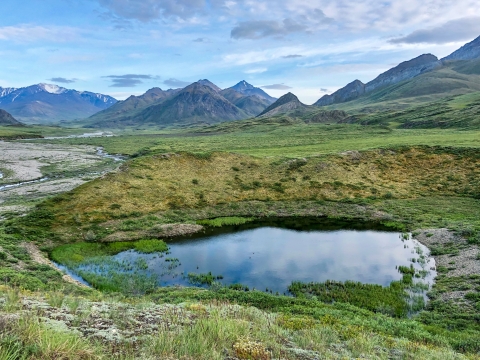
pixel 455 78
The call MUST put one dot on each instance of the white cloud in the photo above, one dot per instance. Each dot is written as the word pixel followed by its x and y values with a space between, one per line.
pixel 32 33
pixel 256 71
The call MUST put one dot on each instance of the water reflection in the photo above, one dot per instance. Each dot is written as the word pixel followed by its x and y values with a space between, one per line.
pixel 271 257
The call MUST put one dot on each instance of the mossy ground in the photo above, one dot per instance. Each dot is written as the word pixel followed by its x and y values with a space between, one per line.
pixel 162 183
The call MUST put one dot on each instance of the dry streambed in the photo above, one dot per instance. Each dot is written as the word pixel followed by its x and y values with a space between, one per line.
pixel 31 171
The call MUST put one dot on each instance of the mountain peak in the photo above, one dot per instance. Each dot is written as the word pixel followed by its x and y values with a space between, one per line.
pixel 208 83
pixel 468 51
pixel 52 89
pixel 285 103
pixel 245 88
pixel 287 98
pixel 242 86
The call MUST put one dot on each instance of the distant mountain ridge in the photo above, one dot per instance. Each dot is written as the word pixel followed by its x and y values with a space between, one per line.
pixel 199 103
pixel 44 103
pixel 468 51
pixel 407 70
pixel 404 71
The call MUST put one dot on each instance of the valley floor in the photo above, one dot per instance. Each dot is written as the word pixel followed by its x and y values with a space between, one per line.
pixel 165 190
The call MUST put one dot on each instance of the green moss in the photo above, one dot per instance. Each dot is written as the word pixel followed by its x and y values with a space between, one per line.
pixel 225 221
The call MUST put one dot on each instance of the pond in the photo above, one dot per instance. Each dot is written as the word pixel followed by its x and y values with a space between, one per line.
pixel 271 255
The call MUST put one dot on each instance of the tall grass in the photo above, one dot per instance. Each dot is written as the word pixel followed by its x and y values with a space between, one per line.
pixel 28 338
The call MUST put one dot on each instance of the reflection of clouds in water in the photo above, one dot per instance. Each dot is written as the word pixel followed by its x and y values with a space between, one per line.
pixel 274 257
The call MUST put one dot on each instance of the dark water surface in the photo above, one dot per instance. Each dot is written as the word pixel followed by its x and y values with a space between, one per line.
pixel 267 256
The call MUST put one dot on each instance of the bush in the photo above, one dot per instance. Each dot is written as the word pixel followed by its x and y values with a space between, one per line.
pixel 474 239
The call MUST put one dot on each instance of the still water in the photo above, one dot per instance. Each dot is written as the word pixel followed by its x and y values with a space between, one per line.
pixel 271 257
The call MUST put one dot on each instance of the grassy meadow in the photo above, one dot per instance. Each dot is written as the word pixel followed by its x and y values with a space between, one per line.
pixel 290 140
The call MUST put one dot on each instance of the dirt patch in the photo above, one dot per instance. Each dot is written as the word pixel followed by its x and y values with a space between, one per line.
pixel 159 231
pixel 32 171
pixel 462 263
pixel 25 160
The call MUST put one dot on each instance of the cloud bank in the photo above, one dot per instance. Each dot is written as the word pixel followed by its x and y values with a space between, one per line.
pixel 129 80
pixel 276 87
pixel 452 31
pixel 175 83
pixel 62 80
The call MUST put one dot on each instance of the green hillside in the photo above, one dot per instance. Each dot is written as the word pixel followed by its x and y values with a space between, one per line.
pixel 455 78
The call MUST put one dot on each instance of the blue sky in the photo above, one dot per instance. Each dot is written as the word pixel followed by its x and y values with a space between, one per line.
pixel 124 47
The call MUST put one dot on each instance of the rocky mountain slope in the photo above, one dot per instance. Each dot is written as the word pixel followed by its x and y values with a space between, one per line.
pixel 247 89
pixel 208 83
pixel 465 60
pixel 250 104
pixel 469 51
pixel 350 92
pixel 8 119
pixel 404 71
pixel 45 103
pixel 199 103
pixel 195 104
pixel 287 103
pixel 127 110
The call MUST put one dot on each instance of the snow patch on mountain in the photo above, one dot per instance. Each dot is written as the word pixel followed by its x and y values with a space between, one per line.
pixel 6 91
pixel 52 89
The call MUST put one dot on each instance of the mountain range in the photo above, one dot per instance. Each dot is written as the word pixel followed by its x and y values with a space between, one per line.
pixel 45 103
pixel 420 80
pixel 199 103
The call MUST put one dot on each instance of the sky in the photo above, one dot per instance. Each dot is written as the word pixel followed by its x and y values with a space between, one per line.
pixel 310 48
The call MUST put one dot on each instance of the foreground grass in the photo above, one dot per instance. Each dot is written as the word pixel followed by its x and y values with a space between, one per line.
pixel 206 325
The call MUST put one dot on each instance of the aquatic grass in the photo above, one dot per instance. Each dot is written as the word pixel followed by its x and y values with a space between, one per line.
pixel 150 246
pixel 72 255
pixel 225 221
pixel 203 279
pixel 128 284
